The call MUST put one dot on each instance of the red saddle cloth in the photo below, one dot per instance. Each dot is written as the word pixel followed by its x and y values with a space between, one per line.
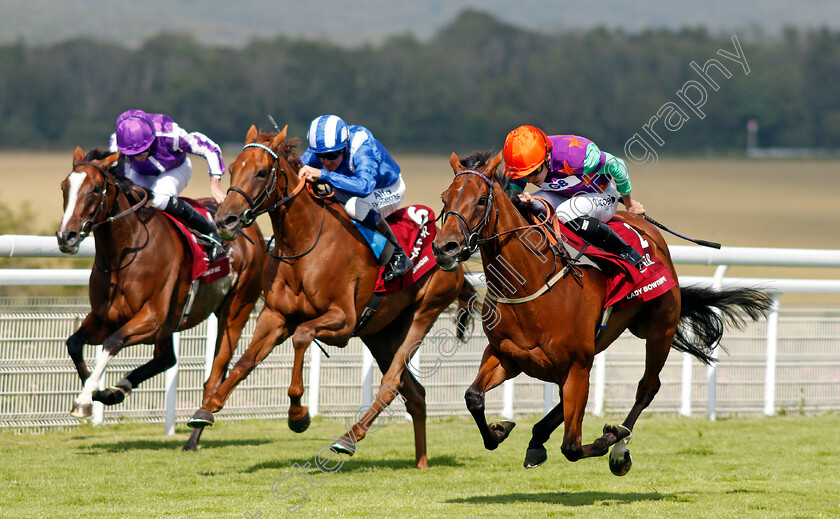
pixel 201 267
pixel 414 228
pixel 627 286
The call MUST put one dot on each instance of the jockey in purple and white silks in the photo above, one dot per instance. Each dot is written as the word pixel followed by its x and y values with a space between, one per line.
pixel 156 148
pixel 365 178
pixel 576 178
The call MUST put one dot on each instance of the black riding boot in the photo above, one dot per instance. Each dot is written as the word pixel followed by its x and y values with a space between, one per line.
pixel 194 220
pixel 602 236
pixel 400 263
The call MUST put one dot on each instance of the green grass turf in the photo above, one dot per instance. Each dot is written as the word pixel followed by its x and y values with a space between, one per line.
pixel 736 468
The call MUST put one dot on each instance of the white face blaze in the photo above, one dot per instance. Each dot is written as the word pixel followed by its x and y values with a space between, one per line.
pixel 75 180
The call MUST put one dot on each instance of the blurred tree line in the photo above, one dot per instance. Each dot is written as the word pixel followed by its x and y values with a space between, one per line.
pixel 465 89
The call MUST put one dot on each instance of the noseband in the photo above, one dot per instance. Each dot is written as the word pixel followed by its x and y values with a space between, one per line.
pixel 471 238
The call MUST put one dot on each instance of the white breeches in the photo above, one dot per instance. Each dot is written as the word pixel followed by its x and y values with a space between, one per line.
pixel 167 184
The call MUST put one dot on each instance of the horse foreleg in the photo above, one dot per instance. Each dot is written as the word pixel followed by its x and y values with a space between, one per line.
pixel 575 394
pixel 540 433
pixel 162 359
pixel 493 371
pixel 139 329
pixel 332 324
pixel 90 332
pixel 270 331
pixel 232 320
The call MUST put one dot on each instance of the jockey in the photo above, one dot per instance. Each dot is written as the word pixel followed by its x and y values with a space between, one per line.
pixel 365 178
pixel 575 177
pixel 156 148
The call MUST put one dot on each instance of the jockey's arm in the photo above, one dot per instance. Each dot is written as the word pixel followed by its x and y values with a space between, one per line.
pixel 199 144
pixel 362 182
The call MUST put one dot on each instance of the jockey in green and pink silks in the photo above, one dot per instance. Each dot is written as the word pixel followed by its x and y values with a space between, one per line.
pixel 577 180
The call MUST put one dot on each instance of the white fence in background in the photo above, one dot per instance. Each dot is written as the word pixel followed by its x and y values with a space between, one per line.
pixel 788 363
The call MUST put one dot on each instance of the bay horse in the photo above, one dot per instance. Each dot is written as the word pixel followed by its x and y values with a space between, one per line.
pixel 317 282
pixel 550 332
pixel 141 279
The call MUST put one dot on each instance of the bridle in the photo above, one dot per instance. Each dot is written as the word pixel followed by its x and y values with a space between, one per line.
pixel 471 235
pixel 250 214
pixel 89 225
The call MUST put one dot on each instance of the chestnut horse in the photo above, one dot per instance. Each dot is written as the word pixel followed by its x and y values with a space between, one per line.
pixel 317 283
pixel 551 335
pixel 141 279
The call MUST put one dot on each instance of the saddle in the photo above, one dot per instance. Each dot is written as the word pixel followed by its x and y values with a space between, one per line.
pixel 626 285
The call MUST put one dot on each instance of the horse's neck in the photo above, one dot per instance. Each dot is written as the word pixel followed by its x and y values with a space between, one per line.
pixel 119 233
pixel 296 224
pixel 516 263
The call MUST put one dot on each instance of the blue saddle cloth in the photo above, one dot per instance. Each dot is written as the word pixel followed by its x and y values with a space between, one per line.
pixel 375 240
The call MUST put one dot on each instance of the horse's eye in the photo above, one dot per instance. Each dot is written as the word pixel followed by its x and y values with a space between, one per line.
pixel 262 173
pixel 482 200
pixel 97 190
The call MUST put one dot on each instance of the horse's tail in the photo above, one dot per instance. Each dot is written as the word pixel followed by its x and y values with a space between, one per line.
pixel 463 317
pixel 706 325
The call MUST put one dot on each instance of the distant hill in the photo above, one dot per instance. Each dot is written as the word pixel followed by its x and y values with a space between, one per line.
pixel 352 23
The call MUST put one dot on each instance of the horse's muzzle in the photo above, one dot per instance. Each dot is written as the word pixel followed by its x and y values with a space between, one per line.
pixel 229 225
pixel 448 256
pixel 68 242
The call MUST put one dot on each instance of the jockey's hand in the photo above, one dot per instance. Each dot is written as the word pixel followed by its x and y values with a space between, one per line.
pixel 525 198
pixel 633 207
pixel 309 173
pixel 216 190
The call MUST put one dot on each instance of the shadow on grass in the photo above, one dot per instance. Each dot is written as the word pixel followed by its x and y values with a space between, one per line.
pixel 168 444
pixel 357 465
pixel 564 498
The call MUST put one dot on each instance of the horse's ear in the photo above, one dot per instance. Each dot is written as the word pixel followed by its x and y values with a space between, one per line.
pixel 455 162
pixel 279 138
pixel 78 155
pixel 108 161
pixel 494 163
pixel 252 135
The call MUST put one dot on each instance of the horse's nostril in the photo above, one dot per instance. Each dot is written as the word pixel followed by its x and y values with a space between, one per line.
pixel 450 246
pixel 229 221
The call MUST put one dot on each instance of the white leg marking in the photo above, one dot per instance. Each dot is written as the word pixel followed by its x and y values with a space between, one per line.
pixel 92 383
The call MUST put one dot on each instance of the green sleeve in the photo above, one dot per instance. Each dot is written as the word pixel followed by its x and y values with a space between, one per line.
pixel 517 186
pixel 617 169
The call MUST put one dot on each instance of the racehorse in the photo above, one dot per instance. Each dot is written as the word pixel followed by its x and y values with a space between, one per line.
pixel 317 282
pixel 141 280
pixel 550 331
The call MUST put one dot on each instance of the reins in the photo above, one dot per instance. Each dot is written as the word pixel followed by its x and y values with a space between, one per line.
pixel 250 214
pixel 472 240
pixel 90 225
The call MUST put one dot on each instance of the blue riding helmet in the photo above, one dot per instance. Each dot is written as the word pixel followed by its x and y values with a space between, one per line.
pixel 327 133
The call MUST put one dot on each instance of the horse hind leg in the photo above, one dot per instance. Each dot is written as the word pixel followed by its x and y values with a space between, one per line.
pixel 657 346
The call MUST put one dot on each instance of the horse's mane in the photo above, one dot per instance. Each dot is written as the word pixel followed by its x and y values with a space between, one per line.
pixel 287 150
pixel 123 183
pixel 479 159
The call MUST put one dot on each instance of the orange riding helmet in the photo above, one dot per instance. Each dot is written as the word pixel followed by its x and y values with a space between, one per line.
pixel 526 149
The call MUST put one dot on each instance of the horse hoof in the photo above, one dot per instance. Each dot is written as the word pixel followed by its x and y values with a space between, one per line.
pixel 620 460
pixel 201 418
pixel 81 410
pixel 300 424
pixel 344 446
pixel 110 396
pixel 535 457
pixel 502 429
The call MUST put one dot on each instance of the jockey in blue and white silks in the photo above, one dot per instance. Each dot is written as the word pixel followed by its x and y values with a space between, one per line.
pixel 156 148
pixel 365 178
